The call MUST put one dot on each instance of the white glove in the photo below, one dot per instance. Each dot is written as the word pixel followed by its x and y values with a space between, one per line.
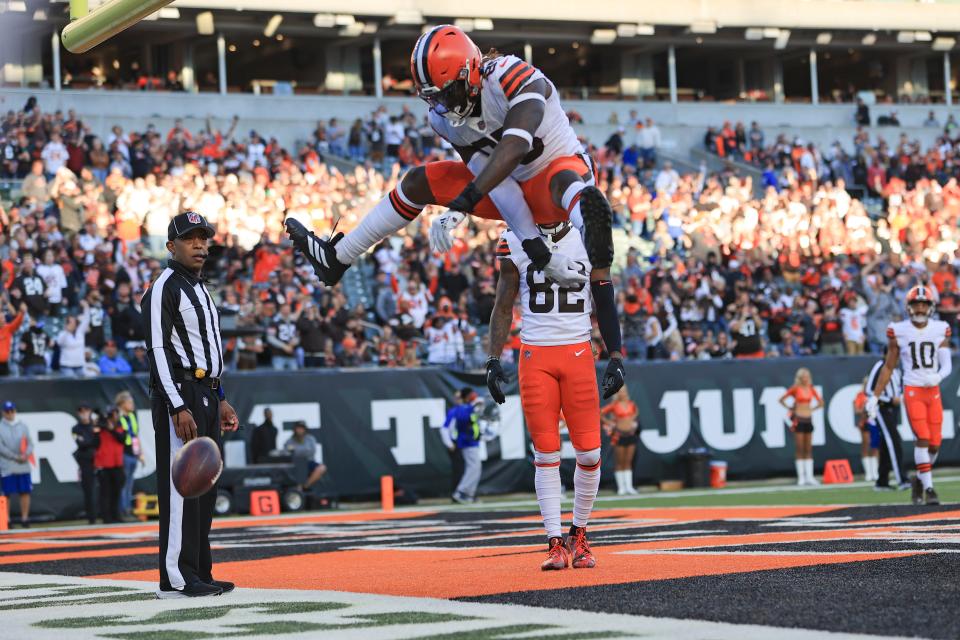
pixel 441 230
pixel 564 271
pixel 871 407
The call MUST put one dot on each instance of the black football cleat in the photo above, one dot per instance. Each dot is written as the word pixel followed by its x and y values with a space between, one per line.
pixel 916 491
pixel 320 253
pixel 597 227
pixel 930 497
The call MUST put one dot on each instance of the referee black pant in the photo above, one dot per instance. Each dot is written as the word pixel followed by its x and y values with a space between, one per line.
pixel 891 454
pixel 184 523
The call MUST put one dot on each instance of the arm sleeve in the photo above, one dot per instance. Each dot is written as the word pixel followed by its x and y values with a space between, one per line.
pixel 607 319
pixel 946 362
pixel 15 325
pixel 83 322
pixel 158 323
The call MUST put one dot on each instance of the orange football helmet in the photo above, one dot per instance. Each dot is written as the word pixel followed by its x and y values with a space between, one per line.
pixel 445 65
pixel 921 293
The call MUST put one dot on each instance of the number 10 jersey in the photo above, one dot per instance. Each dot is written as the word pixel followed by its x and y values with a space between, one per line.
pixel 918 350
pixel 551 315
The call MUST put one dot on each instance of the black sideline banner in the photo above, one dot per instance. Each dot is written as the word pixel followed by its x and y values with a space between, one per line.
pixel 375 422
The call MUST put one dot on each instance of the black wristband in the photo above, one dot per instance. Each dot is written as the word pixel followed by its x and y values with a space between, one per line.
pixel 472 195
pixel 536 249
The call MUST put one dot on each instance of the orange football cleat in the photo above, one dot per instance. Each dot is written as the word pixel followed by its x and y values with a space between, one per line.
pixel 579 548
pixel 556 556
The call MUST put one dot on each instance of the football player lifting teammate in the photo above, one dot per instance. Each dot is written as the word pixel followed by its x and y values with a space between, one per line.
pixel 922 346
pixel 557 375
pixel 522 163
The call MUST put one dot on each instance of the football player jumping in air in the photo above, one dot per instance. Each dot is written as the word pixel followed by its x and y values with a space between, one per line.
pixel 922 345
pixel 557 375
pixel 519 154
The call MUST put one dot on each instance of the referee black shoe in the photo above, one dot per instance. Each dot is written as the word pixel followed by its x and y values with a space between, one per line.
pixel 192 590
pixel 320 253
pixel 223 585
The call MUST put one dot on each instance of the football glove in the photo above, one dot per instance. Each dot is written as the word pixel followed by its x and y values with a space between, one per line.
pixel 495 376
pixel 564 271
pixel 441 230
pixel 871 407
pixel 613 377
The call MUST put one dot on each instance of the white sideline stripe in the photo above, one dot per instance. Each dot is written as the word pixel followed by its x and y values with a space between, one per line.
pixel 175 531
pixel 20 623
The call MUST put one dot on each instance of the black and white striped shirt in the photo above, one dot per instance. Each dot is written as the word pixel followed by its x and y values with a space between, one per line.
pixel 893 389
pixel 182 329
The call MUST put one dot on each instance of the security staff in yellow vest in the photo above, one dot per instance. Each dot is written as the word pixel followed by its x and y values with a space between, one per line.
pixel 132 452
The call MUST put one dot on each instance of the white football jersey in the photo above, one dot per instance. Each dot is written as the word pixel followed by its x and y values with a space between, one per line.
pixel 551 315
pixel 918 350
pixel 503 79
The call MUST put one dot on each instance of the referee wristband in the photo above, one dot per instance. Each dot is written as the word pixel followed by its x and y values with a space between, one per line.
pixel 220 393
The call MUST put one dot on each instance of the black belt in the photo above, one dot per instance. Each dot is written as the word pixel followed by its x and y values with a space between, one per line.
pixel 199 376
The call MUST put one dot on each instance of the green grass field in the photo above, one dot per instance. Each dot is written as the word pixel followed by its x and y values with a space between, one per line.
pixel 948 489
pixel 747 493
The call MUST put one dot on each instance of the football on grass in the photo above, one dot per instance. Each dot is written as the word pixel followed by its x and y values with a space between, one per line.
pixel 196 467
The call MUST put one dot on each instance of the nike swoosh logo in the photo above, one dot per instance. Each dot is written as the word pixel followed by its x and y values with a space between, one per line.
pixel 503 64
pixel 577 353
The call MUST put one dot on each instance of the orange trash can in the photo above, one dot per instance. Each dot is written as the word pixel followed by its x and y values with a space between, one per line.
pixel 718 474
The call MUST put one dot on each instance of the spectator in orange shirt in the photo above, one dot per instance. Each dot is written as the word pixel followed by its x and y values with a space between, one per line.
pixel 944 279
pixel 7 331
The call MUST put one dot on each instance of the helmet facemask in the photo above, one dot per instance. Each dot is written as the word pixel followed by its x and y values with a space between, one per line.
pixel 455 101
pixel 919 317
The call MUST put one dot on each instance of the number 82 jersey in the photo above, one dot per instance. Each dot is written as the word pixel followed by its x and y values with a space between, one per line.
pixel 918 350
pixel 551 315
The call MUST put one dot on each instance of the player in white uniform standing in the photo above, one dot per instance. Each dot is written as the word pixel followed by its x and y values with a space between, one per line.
pixel 522 163
pixel 921 345
pixel 557 375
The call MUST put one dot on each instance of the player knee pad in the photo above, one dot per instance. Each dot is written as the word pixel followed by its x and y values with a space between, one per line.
pixel 588 460
pixel 597 227
pixel 546 459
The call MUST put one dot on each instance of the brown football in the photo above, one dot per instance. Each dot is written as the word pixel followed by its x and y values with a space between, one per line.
pixel 196 467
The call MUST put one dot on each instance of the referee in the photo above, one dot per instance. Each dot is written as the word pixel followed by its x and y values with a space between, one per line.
pixel 888 415
pixel 182 329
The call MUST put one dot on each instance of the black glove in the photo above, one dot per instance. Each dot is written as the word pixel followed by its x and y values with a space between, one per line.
pixel 495 376
pixel 613 377
pixel 467 200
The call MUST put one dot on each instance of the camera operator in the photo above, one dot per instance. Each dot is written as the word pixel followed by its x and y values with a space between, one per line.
pixel 86 438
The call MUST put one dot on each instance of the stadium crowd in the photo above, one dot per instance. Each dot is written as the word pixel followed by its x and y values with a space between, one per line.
pixel 708 270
